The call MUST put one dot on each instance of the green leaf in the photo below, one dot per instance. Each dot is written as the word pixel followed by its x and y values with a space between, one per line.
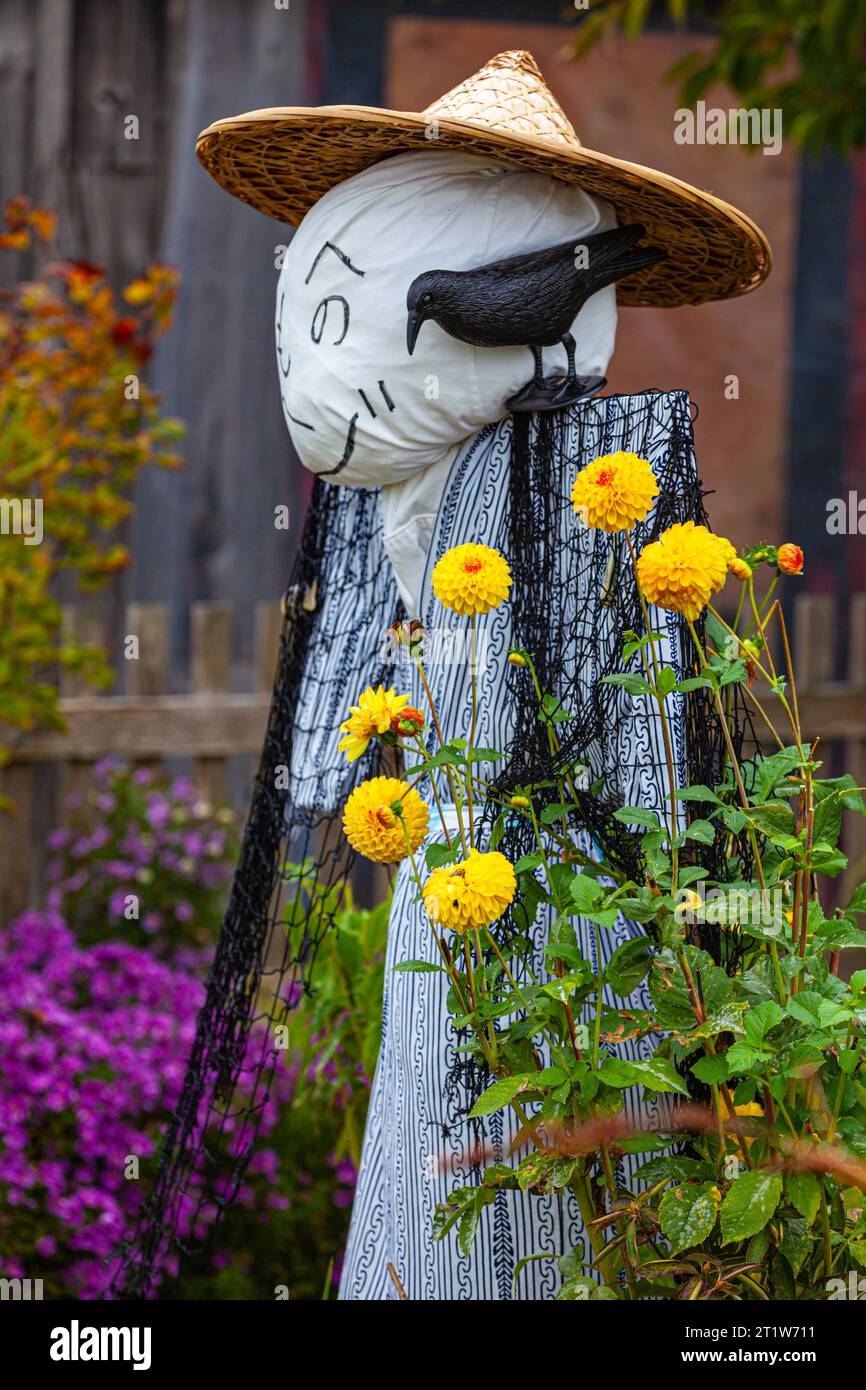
pixel 636 815
pixel 730 672
pixel 673 1166
pixel 759 1021
pixel 858 900
pixel 467 1228
pixel 711 1070
pixel 615 1071
pixel 749 1204
pixel 774 819
pixel 634 685
pixel 702 831
pixel 417 967
pixel 734 819
pixel 658 1074
pixel 796 1242
pixel 528 861
pixel 812 1008
pixel 699 792
pixel 501 1093
pixel 628 965
pixel 435 856
pixel 688 1213
pixel 583 1290
pixel 655 1075
pixel 552 711
pixel 563 988
pixel 694 683
pixel 667 680
pixel 804 1193
pixel 482 755
pixel 586 894
pixel 769 772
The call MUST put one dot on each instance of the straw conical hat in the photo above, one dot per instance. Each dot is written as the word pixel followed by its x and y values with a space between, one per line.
pixel 282 160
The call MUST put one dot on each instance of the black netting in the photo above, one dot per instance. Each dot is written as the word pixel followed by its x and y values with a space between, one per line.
pixel 264 961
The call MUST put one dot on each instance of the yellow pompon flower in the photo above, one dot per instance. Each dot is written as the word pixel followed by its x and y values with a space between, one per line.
pixel 681 569
pixel 372 824
pixel 444 897
pixel 614 492
pixel 471 579
pixel 374 714
pixel 473 893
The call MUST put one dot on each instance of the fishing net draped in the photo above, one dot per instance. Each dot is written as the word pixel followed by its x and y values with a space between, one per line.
pixel 340 604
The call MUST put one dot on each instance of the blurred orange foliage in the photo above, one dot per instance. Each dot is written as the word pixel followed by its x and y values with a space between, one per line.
pixel 77 425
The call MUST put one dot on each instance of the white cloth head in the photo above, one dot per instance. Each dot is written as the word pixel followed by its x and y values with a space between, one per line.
pixel 360 410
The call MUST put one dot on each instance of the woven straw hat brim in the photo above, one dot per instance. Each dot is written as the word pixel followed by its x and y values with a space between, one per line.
pixel 283 159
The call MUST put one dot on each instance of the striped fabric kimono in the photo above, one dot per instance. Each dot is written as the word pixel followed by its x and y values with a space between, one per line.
pixel 417 1143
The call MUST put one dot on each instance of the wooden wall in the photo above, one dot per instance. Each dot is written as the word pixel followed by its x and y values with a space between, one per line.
pixel 70 72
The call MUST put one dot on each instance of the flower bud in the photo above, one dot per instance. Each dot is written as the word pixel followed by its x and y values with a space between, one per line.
pixel 790 558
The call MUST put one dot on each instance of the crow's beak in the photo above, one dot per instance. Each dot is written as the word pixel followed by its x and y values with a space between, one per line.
pixel 413 328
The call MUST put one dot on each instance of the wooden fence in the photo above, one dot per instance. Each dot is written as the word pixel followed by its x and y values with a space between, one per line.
pixel 209 724
pixel 212 723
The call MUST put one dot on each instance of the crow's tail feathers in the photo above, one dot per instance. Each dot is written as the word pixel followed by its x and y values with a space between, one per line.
pixel 614 254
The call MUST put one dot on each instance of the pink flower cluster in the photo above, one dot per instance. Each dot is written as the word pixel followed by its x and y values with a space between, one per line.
pixel 144 860
pixel 93 1048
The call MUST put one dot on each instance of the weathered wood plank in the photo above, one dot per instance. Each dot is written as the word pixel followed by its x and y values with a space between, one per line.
pixel 88 621
pixel 148 673
pixel 211 665
pixel 814 640
pixel 16 847
pixel 161 726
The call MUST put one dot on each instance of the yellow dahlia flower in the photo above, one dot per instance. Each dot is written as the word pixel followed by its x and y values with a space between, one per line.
pixel 372 819
pixel 471 579
pixel 473 893
pixel 681 569
pixel 614 491
pixel 374 714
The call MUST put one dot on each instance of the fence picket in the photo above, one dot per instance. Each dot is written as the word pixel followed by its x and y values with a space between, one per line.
pixel 211 625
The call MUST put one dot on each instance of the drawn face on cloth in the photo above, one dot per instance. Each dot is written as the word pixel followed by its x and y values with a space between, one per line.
pixel 363 413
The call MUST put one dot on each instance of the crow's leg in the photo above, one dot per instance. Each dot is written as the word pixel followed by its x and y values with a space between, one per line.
pixel 570 347
pixel 572 388
pixel 567 389
pixel 532 387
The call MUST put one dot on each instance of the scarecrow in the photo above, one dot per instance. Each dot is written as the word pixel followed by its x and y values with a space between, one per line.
pixel 445 316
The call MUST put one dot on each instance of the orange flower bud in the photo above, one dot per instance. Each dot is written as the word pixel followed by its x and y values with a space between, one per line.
pixel 790 558
pixel 739 569
pixel 407 721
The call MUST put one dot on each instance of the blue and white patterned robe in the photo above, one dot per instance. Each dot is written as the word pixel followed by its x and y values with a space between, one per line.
pixel 407 1166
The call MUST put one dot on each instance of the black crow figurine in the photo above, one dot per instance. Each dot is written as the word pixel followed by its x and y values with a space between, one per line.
pixel 530 300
